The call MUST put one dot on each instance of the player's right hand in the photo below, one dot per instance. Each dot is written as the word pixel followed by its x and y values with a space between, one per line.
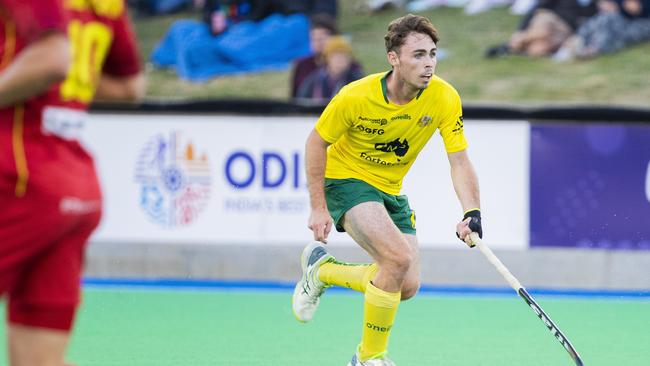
pixel 320 222
pixel 471 223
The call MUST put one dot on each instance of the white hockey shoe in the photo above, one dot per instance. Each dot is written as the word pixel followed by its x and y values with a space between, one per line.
pixel 306 295
pixel 383 361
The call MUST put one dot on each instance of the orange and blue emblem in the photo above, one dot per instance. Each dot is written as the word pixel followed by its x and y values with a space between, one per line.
pixel 175 180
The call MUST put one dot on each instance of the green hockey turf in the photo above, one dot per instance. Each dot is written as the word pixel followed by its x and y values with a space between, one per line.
pixel 180 327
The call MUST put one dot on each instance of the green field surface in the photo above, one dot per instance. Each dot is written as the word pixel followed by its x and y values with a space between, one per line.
pixel 170 327
pixel 619 79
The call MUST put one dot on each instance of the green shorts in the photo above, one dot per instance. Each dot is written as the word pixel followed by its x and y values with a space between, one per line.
pixel 343 194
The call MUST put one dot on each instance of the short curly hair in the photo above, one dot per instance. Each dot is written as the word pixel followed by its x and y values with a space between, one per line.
pixel 401 27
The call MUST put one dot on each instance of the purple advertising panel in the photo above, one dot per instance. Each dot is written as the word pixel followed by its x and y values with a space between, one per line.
pixel 590 186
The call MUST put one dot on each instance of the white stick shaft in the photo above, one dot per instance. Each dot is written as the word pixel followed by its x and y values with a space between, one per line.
pixel 512 281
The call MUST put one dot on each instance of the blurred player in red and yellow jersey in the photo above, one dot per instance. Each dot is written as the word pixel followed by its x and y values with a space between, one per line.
pixel 56 56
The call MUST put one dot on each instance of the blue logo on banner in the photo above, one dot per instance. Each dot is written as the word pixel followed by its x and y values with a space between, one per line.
pixel 272 170
pixel 174 180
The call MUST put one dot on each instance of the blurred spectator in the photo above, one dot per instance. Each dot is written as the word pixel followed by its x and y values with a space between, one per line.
pixel 219 14
pixel 337 71
pixel 322 27
pixel 379 5
pixel 545 28
pixel 619 24
pixel 521 7
pixel 472 6
pixel 480 6
pixel 314 7
pixel 156 7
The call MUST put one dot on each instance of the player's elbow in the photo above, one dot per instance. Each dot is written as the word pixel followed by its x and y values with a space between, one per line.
pixel 135 88
pixel 121 89
pixel 58 62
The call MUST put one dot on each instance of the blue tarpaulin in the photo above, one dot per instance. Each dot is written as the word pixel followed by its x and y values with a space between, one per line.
pixel 269 44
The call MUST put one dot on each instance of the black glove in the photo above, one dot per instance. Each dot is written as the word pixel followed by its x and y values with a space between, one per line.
pixel 474 223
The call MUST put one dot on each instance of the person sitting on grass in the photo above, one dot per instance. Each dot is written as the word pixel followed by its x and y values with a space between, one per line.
pixel 618 25
pixel 545 28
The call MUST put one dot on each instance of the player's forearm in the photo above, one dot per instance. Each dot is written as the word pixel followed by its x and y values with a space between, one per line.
pixel 122 89
pixel 465 184
pixel 315 162
pixel 35 69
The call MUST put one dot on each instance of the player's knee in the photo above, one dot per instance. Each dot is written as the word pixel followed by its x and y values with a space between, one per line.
pixel 410 289
pixel 539 49
pixel 399 261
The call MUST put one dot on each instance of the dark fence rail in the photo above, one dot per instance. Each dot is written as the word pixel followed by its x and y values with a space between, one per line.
pixel 581 113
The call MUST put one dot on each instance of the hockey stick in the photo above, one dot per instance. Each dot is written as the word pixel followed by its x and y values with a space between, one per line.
pixel 514 283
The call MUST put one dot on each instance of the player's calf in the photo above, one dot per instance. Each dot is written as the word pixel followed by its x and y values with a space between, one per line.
pixel 410 288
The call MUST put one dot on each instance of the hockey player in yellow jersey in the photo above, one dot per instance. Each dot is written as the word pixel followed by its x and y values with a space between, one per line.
pixel 361 148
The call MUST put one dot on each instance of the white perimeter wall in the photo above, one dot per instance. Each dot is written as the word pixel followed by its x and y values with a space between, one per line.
pixel 257 215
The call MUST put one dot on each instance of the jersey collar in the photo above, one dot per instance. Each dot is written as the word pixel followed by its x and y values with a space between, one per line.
pixel 384 87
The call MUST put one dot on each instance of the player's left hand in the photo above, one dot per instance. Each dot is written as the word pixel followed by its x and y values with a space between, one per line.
pixel 471 223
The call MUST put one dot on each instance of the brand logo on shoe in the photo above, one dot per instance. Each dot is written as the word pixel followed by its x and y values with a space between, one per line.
pixel 316 255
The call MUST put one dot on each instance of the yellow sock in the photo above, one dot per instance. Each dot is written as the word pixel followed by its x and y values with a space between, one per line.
pixel 350 275
pixel 379 313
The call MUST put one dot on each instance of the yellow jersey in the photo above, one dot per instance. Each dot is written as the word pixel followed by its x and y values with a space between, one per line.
pixel 376 141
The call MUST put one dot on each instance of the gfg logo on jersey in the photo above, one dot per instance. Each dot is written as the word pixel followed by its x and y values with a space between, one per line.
pixel 174 180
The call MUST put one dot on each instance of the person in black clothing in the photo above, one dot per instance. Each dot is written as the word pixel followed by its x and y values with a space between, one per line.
pixel 545 28
pixel 219 14
pixel 618 25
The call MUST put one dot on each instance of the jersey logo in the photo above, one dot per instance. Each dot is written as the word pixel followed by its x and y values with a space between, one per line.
pixel 404 116
pixel 379 121
pixel 425 121
pixel 396 146
pixel 459 126
pixel 371 131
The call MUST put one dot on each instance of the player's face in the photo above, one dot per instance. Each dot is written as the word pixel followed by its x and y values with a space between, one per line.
pixel 318 37
pixel 415 62
pixel 338 63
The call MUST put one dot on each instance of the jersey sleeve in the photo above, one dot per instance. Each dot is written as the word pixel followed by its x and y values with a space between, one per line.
pixel 122 59
pixel 451 128
pixel 336 119
pixel 33 18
